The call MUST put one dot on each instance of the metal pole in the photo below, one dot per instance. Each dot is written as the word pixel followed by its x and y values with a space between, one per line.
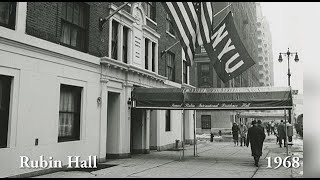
pixel 289 74
pixel 222 10
pixel 195 126
pixel 102 21
pixel 286 138
pixel 183 135
pixel 194 136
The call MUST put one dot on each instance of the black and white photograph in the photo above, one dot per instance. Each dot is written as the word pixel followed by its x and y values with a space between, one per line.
pixel 158 89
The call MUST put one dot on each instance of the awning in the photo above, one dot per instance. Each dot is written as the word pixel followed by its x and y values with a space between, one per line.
pixel 157 97
pixel 244 98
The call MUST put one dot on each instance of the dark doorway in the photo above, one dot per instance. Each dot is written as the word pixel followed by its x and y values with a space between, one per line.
pixel 136 130
pixel 5 89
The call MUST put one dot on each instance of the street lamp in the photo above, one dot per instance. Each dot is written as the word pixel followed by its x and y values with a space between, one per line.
pixel 296 59
pixel 288 54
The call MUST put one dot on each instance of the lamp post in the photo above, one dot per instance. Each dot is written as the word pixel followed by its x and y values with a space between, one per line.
pixel 296 59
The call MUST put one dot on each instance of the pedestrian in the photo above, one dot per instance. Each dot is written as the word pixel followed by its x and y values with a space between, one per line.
pixel 282 134
pixel 268 128
pixel 255 138
pixel 259 124
pixel 243 133
pixel 276 134
pixel 235 133
pixel 272 127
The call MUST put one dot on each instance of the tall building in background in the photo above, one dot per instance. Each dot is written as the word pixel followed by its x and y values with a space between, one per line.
pixel 245 19
pixel 265 56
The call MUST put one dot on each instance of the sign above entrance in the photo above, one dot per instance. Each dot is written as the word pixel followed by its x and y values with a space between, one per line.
pixel 246 98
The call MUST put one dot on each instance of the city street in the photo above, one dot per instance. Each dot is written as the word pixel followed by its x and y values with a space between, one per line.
pixel 215 159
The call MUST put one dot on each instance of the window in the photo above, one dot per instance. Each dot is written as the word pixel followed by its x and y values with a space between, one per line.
pixel 168 120
pixel 150 10
pixel 114 40
pixel 169 26
pixel 69 113
pixel 205 121
pixel 185 72
pixel 146 57
pixel 153 56
pixel 8 14
pixel 74 24
pixel 125 44
pixel 204 75
pixel 170 66
pixel 5 89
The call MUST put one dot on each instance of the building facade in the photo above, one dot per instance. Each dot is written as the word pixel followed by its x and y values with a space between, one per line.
pixel 265 56
pixel 66 81
pixel 245 19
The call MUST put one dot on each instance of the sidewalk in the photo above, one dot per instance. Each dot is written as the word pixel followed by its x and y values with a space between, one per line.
pixel 215 159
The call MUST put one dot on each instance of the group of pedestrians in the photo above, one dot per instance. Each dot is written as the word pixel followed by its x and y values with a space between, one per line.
pixel 239 130
pixel 255 135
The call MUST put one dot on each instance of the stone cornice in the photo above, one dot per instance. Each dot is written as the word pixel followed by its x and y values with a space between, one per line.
pixel 110 63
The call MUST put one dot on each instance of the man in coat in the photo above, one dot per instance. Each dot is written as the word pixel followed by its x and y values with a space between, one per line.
pixel 243 133
pixel 255 137
pixel 235 133
pixel 282 134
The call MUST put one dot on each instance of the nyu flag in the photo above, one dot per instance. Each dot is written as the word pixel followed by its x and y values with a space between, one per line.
pixel 192 22
pixel 226 46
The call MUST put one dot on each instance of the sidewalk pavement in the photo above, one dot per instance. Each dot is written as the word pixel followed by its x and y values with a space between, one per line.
pixel 214 159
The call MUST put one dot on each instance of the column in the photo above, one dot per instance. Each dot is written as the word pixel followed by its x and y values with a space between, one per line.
pixel 147 132
pixel 125 121
pixel 150 55
pixel 156 58
pixel 21 17
pixel 103 120
pixel 120 42
pixel 130 46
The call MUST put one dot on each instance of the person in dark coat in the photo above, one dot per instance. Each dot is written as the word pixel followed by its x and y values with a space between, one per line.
pixel 235 133
pixel 255 138
pixel 282 134
pixel 259 124
pixel 268 128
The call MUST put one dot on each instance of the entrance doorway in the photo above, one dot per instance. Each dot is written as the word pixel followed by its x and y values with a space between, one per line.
pixel 113 122
pixel 136 131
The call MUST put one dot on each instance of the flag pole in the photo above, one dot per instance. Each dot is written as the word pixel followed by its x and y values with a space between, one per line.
pixel 163 52
pixel 222 10
pixel 103 20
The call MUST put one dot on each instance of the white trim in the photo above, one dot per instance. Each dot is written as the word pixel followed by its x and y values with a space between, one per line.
pixel 21 17
pixel 13 106
pixel 150 33
pixel 44 45
pixel 83 112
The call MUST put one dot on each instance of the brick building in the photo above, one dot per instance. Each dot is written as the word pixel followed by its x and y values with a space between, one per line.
pixel 65 83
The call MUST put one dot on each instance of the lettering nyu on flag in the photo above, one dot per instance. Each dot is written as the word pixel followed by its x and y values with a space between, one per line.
pixel 192 22
pixel 226 45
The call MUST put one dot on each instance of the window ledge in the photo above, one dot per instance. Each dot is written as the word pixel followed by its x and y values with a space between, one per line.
pixel 153 22
pixel 173 36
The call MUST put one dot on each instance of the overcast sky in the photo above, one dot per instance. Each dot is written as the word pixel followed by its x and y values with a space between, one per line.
pixel 293 25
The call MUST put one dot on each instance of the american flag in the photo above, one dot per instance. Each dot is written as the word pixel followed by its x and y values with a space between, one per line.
pixel 192 22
